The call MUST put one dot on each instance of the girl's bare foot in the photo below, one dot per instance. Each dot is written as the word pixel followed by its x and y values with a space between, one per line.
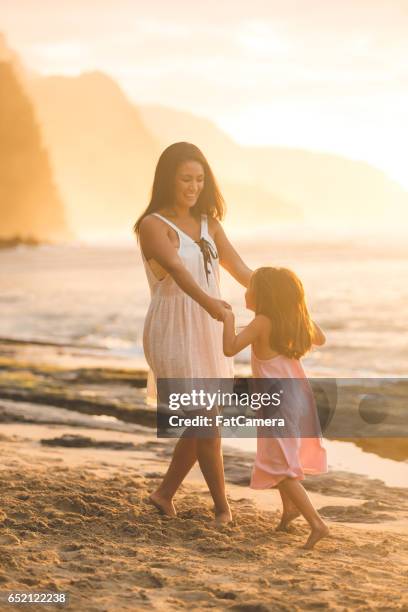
pixel 317 533
pixel 163 504
pixel 286 518
pixel 224 517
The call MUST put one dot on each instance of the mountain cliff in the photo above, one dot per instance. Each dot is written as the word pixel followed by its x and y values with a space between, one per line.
pixel 104 156
pixel 30 205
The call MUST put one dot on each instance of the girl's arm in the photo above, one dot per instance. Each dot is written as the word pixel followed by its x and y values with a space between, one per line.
pixel 156 244
pixel 232 343
pixel 229 258
pixel 318 336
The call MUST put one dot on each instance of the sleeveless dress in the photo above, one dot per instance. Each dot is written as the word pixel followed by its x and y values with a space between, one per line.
pixel 279 458
pixel 180 339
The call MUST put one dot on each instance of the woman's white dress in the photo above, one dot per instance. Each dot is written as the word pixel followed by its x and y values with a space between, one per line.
pixel 180 339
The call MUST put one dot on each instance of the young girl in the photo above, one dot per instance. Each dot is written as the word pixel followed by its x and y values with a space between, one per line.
pixel 280 334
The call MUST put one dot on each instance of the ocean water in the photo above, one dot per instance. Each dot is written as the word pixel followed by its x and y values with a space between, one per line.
pixel 96 296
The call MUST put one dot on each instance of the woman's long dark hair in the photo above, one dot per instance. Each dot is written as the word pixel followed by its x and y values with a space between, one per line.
pixel 279 295
pixel 210 200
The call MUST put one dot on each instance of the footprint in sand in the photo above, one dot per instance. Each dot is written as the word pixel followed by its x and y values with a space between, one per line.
pixel 20 515
pixel 9 538
pixel 148 579
pixel 197 595
pixel 71 547
pixel 365 513
pixel 170 571
pixel 152 475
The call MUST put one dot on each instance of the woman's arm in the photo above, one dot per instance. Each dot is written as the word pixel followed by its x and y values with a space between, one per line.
pixel 229 258
pixel 156 244
pixel 318 336
pixel 232 343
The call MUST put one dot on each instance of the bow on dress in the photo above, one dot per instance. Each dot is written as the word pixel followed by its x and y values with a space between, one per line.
pixel 209 253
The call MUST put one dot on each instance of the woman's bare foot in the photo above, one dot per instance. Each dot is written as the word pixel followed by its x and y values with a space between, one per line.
pixel 317 533
pixel 163 504
pixel 286 518
pixel 224 517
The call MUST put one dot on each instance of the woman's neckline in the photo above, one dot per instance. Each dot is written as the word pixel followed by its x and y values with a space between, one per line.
pixel 178 228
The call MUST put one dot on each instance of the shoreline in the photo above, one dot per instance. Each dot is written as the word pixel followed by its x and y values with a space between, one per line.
pixel 55 375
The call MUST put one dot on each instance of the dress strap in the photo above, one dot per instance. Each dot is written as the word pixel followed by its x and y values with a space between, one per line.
pixel 173 225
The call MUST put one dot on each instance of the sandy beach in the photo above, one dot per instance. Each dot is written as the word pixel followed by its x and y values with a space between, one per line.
pixel 74 518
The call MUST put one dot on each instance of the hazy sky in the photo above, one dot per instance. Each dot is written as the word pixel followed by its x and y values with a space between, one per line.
pixel 330 75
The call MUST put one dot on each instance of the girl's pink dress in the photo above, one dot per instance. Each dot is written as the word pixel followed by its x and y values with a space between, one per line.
pixel 279 458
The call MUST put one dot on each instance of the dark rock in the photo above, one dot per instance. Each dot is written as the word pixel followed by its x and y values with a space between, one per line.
pixel 77 441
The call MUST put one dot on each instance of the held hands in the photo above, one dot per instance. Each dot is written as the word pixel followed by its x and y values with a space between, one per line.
pixel 228 315
pixel 218 308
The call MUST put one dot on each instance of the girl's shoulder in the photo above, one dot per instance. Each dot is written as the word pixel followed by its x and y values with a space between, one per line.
pixel 258 327
pixel 261 326
pixel 263 322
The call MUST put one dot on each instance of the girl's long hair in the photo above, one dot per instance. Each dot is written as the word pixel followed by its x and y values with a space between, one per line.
pixel 210 200
pixel 279 295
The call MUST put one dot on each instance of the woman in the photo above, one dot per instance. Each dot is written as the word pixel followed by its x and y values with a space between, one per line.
pixel 182 242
